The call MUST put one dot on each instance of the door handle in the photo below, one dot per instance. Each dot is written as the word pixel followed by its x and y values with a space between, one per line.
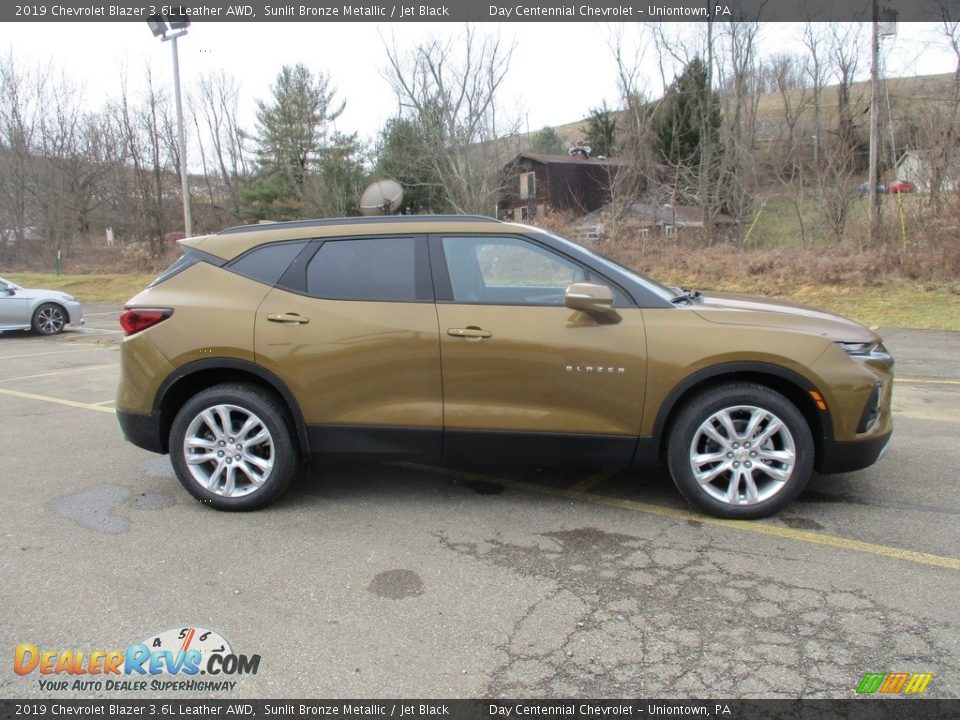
pixel 471 333
pixel 288 318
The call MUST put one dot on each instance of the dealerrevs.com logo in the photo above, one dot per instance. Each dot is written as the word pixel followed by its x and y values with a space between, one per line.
pixel 170 660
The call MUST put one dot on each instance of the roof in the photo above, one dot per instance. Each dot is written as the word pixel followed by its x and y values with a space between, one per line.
pixel 570 160
pixel 231 242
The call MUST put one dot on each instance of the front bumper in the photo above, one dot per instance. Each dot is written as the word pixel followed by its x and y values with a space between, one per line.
pixel 838 457
pixel 75 311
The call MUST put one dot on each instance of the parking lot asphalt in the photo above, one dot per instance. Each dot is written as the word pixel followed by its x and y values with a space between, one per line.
pixel 401 580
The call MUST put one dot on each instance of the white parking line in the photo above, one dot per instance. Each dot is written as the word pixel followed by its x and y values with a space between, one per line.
pixel 926 381
pixel 56 400
pixel 60 372
pixel 53 352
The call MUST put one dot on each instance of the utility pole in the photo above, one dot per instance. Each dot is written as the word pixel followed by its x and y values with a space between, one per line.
pixel 176 19
pixel 874 199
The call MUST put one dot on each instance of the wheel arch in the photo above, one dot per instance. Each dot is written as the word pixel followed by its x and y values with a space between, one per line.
pixel 789 383
pixel 201 374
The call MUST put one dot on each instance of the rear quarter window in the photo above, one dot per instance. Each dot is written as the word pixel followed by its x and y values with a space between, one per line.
pixel 267 263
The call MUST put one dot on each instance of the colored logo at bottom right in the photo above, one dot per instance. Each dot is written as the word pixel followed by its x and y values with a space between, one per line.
pixel 894 683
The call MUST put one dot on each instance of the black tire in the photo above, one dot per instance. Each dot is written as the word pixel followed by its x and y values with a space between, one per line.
pixel 267 442
pixel 49 319
pixel 778 467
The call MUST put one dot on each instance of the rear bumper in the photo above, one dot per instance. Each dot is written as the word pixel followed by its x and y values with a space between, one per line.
pixel 142 430
pixel 838 457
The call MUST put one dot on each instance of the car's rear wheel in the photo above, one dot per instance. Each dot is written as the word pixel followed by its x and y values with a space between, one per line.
pixel 49 319
pixel 232 447
pixel 740 450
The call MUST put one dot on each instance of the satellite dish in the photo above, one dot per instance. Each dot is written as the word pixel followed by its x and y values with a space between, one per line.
pixel 382 197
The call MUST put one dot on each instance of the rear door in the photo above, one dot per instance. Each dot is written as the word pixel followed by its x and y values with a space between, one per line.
pixel 352 331
pixel 524 377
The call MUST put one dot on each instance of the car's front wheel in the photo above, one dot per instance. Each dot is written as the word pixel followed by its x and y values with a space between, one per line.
pixel 740 450
pixel 232 447
pixel 49 319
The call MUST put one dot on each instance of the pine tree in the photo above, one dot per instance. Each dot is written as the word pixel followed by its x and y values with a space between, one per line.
pixel 292 136
pixel 688 108
pixel 548 142
pixel 601 131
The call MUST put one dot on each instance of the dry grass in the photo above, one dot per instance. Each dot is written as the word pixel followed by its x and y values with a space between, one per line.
pixel 894 304
pixel 88 289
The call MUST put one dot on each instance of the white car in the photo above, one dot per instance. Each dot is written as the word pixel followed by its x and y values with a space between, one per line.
pixel 46 311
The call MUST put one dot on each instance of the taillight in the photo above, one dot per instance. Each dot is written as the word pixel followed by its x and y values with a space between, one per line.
pixel 134 320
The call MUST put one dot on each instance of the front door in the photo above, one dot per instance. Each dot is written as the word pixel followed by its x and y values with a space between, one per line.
pixel 524 377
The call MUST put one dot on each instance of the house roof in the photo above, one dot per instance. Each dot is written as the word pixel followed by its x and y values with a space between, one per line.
pixel 570 160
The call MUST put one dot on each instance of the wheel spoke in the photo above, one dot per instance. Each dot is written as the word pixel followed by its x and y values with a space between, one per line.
pixel 223 414
pixel 733 487
pixel 251 473
pixel 775 473
pixel 211 422
pixel 783 456
pixel 709 476
pixel 757 417
pixel 772 428
pixel 214 480
pixel 200 459
pixel 702 459
pixel 230 486
pixel 711 432
pixel 260 437
pixel 723 417
pixel 752 494
pixel 264 465
pixel 249 424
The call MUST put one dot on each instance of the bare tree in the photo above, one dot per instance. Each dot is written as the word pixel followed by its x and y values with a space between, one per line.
pixel 141 127
pixel 215 110
pixel 636 144
pixel 838 170
pixel 449 90
pixel 816 69
pixel 20 113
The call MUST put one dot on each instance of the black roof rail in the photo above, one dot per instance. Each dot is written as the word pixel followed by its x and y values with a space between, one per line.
pixel 368 220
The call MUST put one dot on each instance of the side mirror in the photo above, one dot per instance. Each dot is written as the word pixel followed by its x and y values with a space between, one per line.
pixel 9 291
pixel 595 300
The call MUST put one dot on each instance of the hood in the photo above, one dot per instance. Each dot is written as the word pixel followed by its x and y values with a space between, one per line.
pixel 765 312
pixel 31 293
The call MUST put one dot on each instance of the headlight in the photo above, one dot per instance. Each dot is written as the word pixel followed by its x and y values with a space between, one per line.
pixel 69 298
pixel 868 351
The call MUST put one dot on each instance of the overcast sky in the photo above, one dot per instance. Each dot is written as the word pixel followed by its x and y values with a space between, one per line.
pixel 558 73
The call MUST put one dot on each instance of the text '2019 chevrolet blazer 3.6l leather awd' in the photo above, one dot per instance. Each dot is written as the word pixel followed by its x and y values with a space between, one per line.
pixel 465 339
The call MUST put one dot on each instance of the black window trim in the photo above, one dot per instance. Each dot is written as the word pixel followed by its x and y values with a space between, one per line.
pixel 444 288
pixel 189 258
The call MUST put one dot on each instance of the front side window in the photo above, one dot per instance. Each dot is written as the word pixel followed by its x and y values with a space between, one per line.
pixel 508 271
pixel 375 269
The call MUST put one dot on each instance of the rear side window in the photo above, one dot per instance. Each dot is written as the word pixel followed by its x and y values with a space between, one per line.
pixel 267 263
pixel 383 269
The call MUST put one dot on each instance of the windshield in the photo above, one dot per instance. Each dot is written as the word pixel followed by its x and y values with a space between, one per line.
pixel 662 290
